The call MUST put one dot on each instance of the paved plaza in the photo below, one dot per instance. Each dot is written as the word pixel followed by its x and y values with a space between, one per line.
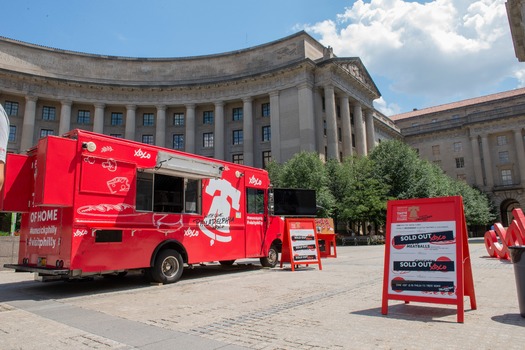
pixel 246 306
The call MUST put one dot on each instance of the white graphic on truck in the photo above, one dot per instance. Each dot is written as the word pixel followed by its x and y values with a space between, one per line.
pixel 216 223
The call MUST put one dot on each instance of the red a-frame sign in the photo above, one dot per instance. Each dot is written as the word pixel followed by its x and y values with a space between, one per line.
pixel 300 245
pixel 427 257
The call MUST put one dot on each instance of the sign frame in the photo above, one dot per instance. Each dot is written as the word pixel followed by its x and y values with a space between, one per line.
pixel 307 231
pixel 426 226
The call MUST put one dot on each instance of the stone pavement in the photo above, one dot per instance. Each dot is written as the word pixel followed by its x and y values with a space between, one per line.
pixel 249 307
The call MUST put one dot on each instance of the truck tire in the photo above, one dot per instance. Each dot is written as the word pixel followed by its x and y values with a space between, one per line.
pixel 272 258
pixel 168 267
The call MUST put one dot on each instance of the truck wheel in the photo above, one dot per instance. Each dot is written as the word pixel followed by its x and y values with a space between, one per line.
pixel 168 267
pixel 226 262
pixel 272 258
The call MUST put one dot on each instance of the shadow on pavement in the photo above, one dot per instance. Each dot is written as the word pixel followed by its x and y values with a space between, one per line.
pixel 510 319
pixel 411 312
pixel 36 290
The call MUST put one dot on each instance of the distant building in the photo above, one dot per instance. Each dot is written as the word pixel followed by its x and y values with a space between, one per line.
pixel 248 106
pixel 479 140
pixel 516 16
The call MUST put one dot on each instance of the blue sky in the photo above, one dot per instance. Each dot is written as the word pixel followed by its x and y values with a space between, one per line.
pixel 419 53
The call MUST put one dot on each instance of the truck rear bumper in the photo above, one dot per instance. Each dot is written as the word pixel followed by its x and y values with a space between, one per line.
pixel 40 270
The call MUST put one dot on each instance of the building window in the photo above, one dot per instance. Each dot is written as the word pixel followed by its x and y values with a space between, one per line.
pixel 178 141
pixel 48 113
pixel 266 158
pixel 339 133
pixel 435 150
pixel 147 139
pixel 147 119
pixel 116 119
pixel 207 117
pixel 11 108
pixel 238 158
pixel 12 133
pixel 83 117
pixel 119 136
pixel 460 162
pixel 266 133
pixel 237 114
pixel 46 132
pixel 237 137
pixel 504 157
pixel 352 118
pixel 324 127
pixel 207 140
pixel 506 177
pixel 353 140
pixel 178 119
pixel 458 146
pixel 502 140
pixel 265 109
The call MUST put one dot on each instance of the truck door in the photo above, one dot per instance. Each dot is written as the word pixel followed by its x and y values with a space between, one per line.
pixel 255 221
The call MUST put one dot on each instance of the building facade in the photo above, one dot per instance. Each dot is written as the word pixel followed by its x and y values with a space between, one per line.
pixel 480 141
pixel 249 106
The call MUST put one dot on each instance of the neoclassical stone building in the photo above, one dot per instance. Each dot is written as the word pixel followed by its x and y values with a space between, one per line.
pixel 248 106
pixel 479 140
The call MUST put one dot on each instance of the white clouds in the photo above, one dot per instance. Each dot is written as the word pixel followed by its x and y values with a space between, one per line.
pixel 433 52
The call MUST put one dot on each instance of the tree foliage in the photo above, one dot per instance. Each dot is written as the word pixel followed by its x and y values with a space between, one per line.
pixel 305 170
pixel 365 197
pixel 357 190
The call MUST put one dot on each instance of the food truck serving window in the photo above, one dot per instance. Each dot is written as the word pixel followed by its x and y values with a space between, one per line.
pixel 170 194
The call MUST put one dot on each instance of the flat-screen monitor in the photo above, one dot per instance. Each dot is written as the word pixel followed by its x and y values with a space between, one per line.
pixel 294 202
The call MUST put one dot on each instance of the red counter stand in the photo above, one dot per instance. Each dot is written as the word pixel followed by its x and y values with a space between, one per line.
pixel 427 257
pixel 326 237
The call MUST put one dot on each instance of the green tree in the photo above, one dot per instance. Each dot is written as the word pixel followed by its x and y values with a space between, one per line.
pixel 398 166
pixel 366 194
pixel 338 183
pixel 306 170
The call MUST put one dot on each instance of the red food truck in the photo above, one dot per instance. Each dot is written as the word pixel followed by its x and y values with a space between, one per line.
pixel 93 204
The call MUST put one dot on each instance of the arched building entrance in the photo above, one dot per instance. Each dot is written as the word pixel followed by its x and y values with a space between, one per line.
pixel 506 208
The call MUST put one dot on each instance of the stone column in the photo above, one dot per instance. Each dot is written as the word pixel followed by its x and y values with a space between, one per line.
pixel 130 122
pixel 346 127
pixel 476 158
pixel 319 126
pixel 189 138
pixel 487 161
pixel 247 127
pixel 370 132
pixel 65 117
pixel 306 117
pixel 160 127
pixel 520 150
pixel 98 122
pixel 275 126
pixel 332 143
pixel 359 131
pixel 28 127
pixel 218 139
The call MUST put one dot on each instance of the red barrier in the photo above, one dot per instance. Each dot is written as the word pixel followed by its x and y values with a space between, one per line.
pixel 499 240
